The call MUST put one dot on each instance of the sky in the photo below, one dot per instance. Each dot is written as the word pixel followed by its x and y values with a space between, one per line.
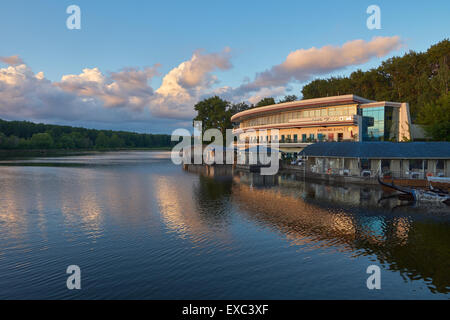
pixel 142 65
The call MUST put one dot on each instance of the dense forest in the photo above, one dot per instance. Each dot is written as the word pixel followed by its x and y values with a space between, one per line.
pixel 28 135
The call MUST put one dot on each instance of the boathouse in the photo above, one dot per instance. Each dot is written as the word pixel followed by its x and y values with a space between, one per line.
pixel 405 160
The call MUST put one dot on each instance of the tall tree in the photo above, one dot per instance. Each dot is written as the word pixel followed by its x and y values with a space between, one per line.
pixel 41 141
pixel 435 117
pixel 214 113
pixel 102 140
pixel 238 107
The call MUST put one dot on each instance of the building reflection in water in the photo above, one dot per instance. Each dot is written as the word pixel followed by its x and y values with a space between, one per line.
pixel 68 210
pixel 412 240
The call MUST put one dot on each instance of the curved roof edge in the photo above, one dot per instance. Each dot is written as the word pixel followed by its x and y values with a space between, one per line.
pixel 303 103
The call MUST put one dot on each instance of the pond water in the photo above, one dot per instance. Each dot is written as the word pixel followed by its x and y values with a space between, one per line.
pixel 140 227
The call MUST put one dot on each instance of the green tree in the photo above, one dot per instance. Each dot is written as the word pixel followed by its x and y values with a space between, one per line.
pixel 102 140
pixel 435 117
pixel 17 134
pixel 81 140
pixel 214 113
pixel 288 98
pixel 238 107
pixel 116 142
pixel 265 102
pixel 41 141
pixel 2 140
pixel 66 141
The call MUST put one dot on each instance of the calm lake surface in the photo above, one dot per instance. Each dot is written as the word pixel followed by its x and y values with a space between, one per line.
pixel 140 227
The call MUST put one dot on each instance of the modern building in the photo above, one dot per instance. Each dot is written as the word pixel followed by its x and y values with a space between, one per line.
pixel 338 118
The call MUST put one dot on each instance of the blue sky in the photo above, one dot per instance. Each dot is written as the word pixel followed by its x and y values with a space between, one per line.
pixel 249 38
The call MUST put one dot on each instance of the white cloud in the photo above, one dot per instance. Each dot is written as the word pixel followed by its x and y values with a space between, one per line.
pixel 126 95
pixel 12 60
pixel 266 92
pixel 303 64
pixel 128 88
pixel 116 96
pixel 185 84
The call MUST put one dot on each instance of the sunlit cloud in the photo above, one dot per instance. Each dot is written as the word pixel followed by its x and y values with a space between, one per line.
pixel 128 88
pixel 127 95
pixel 303 64
pixel 12 60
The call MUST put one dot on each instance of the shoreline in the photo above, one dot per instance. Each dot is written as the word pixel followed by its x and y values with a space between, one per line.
pixel 16 154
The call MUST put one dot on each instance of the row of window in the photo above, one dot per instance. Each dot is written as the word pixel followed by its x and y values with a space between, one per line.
pixel 295 138
pixel 413 164
pixel 286 117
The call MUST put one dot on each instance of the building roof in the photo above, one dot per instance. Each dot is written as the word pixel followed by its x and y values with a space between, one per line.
pixel 379 150
pixel 349 98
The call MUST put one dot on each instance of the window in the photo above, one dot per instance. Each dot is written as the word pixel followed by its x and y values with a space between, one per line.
pixel 385 165
pixel 418 165
pixel 295 138
pixel 320 137
pixel 365 164
pixel 304 137
pixel 331 136
pixel 311 136
pixel 282 138
pixel 340 136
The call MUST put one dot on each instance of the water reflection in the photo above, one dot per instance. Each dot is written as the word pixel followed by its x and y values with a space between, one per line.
pixel 413 240
pixel 144 228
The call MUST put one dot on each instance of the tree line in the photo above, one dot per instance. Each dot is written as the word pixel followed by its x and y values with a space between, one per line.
pixel 419 78
pixel 28 135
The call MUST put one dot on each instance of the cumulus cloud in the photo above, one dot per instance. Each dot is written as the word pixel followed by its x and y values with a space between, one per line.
pixel 303 64
pixel 126 95
pixel 12 60
pixel 185 84
pixel 26 95
pixel 128 88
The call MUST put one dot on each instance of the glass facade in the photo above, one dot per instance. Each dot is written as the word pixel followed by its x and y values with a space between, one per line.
pixel 385 124
pixel 286 117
